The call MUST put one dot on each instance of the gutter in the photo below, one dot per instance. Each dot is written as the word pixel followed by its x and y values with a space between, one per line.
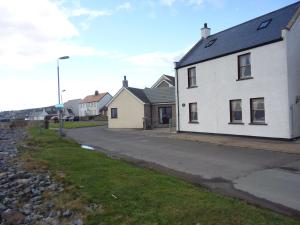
pixel 177 98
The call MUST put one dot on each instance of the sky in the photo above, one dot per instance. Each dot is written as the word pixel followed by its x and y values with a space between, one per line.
pixel 105 39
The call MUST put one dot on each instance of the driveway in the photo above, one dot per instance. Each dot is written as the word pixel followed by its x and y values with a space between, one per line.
pixel 270 179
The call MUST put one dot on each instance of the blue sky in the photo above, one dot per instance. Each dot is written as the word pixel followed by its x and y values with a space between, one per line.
pixel 105 40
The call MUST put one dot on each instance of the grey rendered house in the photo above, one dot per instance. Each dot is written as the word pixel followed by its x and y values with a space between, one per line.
pixel 142 108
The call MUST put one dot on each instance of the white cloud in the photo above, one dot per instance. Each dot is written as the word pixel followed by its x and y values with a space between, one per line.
pixel 216 3
pixel 125 6
pixel 90 13
pixel 156 59
pixel 38 31
pixel 168 2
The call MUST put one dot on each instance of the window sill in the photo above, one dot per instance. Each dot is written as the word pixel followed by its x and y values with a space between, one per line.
pixel 191 87
pixel 236 123
pixel 114 117
pixel 245 78
pixel 194 122
pixel 264 124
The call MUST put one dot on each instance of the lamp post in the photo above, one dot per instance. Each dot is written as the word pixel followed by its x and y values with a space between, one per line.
pixel 59 95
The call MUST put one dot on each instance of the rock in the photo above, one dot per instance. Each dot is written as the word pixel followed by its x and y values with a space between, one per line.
pixel 49 205
pixel 67 213
pixel 22 181
pixel 2 208
pixel 13 217
pixel 77 222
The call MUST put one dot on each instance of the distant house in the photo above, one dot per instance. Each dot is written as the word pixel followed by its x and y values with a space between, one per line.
pixel 244 80
pixel 38 115
pixel 164 81
pixel 71 107
pixel 142 108
pixel 93 105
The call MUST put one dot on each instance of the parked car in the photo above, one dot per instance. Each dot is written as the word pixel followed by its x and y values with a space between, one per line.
pixel 76 118
pixel 54 119
pixel 4 119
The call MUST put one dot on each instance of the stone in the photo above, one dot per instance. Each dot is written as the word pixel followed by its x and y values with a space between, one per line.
pixel 67 213
pixel 77 222
pixel 2 207
pixel 13 217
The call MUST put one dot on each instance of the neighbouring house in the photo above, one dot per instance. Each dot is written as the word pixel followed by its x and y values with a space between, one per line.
pixel 164 81
pixel 38 115
pixel 142 108
pixel 243 80
pixel 71 107
pixel 93 105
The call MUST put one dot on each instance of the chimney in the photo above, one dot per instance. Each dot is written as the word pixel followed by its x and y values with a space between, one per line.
pixel 125 82
pixel 96 92
pixel 205 31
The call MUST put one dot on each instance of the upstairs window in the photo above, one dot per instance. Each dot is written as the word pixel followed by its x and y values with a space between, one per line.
pixel 244 66
pixel 236 111
pixel 264 24
pixel 192 77
pixel 114 113
pixel 210 43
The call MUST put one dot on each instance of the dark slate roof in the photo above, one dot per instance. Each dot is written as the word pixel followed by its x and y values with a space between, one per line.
pixel 241 37
pixel 139 93
pixel 160 95
pixel 154 95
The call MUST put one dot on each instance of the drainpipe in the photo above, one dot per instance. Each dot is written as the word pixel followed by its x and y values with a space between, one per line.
pixel 177 97
pixel 292 120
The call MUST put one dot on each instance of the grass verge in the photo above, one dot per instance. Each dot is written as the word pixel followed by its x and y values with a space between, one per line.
pixel 79 124
pixel 132 195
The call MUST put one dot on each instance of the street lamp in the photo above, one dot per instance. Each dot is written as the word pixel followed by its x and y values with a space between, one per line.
pixel 59 95
pixel 62 102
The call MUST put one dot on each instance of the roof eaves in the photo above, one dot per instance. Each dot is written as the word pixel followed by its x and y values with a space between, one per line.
pixel 130 91
pixel 187 54
pixel 115 96
pixel 294 19
pixel 230 53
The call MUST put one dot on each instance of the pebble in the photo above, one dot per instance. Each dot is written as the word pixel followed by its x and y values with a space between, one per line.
pixel 21 191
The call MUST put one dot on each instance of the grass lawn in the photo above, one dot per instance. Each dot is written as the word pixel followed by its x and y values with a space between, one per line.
pixel 131 195
pixel 78 124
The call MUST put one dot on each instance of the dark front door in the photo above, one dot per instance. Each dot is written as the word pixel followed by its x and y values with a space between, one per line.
pixel 165 114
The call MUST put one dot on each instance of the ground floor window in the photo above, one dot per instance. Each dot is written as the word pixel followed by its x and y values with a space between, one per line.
pixel 193 112
pixel 236 111
pixel 257 106
pixel 165 115
pixel 114 113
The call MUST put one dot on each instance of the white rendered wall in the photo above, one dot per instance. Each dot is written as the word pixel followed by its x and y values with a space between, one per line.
pixel 216 81
pixel 293 59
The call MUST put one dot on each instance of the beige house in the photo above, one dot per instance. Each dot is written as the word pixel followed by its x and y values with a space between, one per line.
pixel 142 108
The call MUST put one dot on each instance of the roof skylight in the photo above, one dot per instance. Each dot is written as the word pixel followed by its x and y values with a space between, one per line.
pixel 210 43
pixel 264 24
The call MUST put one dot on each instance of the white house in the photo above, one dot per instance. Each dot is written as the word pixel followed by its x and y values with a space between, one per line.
pixel 244 80
pixel 93 105
pixel 38 115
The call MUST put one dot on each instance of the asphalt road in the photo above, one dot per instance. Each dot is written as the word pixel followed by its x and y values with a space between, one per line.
pixel 270 179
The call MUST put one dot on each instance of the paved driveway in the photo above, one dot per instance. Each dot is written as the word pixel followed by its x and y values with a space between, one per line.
pixel 270 179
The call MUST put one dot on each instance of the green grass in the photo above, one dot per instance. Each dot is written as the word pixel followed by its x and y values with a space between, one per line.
pixel 79 124
pixel 143 196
